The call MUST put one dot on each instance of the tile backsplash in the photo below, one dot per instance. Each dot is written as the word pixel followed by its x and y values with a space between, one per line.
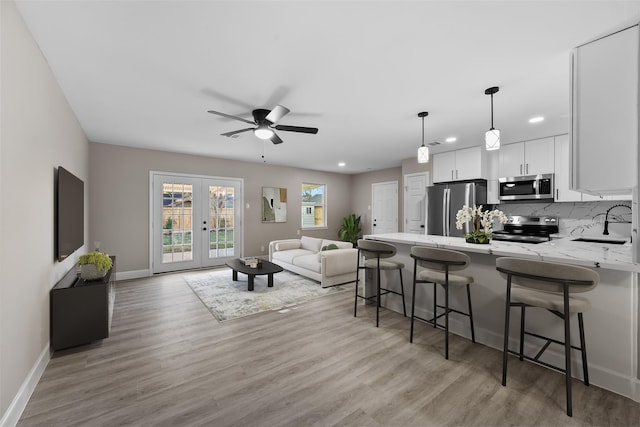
pixel 578 218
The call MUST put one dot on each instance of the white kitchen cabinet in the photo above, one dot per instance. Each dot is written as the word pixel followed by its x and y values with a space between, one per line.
pixel 459 165
pixel 469 163
pixel 527 158
pixel 564 193
pixel 444 165
pixel 563 171
pixel 604 114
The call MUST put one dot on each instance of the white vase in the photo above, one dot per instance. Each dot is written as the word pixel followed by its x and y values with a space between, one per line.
pixel 91 272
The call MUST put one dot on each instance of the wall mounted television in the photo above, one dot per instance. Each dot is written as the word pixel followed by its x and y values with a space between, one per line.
pixel 69 214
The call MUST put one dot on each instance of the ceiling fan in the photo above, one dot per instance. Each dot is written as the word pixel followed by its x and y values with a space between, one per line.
pixel 265 121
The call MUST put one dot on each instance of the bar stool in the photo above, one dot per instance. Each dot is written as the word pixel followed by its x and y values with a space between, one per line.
pixel 373 253
pixel 437 264
pixel 550 286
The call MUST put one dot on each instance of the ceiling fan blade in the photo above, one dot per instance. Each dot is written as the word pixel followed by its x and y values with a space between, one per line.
pixel 235 132
pixel 277 113
pixel 229 116
pixel 297 129
pixel 275 139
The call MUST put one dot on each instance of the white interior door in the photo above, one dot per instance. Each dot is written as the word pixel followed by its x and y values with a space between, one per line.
pixel 196 221
pixel 384 201
pixel 415 198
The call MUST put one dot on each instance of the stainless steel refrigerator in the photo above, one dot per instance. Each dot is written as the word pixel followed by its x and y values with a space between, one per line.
pixel 444 201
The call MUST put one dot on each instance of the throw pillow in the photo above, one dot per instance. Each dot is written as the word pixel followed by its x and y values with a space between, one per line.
pixel 329 247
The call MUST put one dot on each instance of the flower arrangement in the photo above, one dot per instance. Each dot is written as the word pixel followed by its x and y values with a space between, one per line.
pixel 482 222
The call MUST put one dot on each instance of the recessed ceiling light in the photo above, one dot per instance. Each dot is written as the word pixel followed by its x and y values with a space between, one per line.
pixel 451 139
pixel 537 119
pixel 342 164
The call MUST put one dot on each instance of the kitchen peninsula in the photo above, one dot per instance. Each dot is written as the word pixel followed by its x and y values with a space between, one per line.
pixel 611 326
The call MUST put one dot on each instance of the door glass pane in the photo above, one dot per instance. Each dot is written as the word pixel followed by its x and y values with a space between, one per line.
pixel 177 222
pixel 221 223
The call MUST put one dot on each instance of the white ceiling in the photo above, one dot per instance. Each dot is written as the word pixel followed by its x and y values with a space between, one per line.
pixel 144 73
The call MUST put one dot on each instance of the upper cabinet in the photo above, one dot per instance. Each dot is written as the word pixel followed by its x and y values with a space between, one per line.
pixel 459 165
pixel 563 172
pixel 527 158
pixel 564 193
pixel 604 114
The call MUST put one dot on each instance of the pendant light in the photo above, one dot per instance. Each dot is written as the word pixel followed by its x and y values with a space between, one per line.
pixel 423 150
pixel 492 136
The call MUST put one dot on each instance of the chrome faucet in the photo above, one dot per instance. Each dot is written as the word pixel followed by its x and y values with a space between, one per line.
pixel 606 218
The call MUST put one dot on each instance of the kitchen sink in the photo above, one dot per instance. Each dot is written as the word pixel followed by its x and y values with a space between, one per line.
pixel 596 240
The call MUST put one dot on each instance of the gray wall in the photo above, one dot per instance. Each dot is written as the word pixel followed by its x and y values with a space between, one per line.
pixel 119 198
pixel 361 194
pixel 38 133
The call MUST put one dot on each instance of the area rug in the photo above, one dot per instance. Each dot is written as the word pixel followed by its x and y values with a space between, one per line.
pixel 228 300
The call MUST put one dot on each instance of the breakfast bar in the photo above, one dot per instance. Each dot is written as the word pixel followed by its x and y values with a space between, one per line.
pixel 611 326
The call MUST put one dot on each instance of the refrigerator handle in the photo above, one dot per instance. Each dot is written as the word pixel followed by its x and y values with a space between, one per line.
pixel 469 200
pixel 445 211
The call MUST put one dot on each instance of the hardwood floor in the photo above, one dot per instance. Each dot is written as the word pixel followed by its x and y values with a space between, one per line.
pixel 169 362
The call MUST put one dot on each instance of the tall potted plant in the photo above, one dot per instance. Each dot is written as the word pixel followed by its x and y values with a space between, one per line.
pixel 350 230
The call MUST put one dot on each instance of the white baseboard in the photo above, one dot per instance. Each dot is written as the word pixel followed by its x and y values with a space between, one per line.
pixel 11 417
pixel 134 274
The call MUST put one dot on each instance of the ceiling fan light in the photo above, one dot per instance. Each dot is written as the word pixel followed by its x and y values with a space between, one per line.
pixel 263 132
pixel 423 154
pixel 492 139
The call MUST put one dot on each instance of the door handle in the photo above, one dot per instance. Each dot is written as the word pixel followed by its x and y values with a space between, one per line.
pixel 421 225
pixel 204 228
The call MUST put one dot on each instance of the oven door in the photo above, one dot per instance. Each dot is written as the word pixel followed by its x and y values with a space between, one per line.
pixel 536 187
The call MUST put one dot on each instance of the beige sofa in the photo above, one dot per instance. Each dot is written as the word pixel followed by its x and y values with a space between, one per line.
pixel 306 257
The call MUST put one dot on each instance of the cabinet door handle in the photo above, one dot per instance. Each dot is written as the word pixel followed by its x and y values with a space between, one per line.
pixel 520 168
pixel 557 194
pixel 451 173
pixel 456 173
pixel 527 169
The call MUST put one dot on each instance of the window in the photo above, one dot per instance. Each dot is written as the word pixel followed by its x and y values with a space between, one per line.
pixel 313 205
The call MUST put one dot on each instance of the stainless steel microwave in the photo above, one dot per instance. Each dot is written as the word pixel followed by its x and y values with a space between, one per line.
pixel 532 187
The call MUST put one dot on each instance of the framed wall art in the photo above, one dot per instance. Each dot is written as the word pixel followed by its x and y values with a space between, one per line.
pixel 274 204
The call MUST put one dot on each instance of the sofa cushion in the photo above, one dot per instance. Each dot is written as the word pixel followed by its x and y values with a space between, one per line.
pixel 289 255
pixel 340 261
pixel 338 243
pixel 283 246
pixel 309 262
pixel 310 243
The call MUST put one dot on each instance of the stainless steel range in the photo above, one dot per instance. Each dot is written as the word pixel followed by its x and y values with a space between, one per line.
pixel 527 229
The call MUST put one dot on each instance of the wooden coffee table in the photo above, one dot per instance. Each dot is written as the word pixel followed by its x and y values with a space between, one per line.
pixel 266 267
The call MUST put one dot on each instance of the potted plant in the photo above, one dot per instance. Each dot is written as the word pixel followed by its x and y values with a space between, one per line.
pixel 481 221
pixel 350 230
pixel 94 265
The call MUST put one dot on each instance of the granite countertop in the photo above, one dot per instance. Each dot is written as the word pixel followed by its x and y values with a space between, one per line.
pixel 586 254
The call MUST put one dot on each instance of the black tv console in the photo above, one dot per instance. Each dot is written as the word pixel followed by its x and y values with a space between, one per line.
pixel 81 310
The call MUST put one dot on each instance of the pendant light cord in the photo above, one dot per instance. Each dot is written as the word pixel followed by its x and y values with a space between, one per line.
pixel 491 111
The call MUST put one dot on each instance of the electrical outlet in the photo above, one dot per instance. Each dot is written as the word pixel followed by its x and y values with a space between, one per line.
pixel 261 248
pixel 298 232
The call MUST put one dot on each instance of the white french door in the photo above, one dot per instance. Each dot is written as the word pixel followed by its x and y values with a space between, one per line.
pixel 196 221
